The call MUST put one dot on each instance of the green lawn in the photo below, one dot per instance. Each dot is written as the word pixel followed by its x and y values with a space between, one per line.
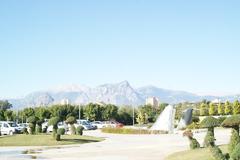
pixel 198 154
pixel 45 140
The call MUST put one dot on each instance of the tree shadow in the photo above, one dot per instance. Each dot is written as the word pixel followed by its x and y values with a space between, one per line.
pixel 78 140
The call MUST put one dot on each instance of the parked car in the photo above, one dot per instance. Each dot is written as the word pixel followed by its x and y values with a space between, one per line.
pixel 60 125
pixel 21 126
pixel 9 128
pixel 98 124
pixel 45 125
pixel 85 124
pixel 113 124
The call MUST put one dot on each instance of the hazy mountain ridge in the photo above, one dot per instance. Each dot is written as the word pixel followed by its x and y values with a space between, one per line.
pixel 120 94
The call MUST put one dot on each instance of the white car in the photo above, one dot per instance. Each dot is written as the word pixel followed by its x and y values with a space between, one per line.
pixel 60 125
pixel 8 128
pixel 98 124
pixel 24 125
pixel 44 125
pixel 85 124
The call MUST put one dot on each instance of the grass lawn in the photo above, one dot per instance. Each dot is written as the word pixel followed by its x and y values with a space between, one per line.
pixel 198 154
pixel 45 140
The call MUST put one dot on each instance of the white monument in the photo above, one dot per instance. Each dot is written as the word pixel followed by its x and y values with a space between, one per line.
pixel 165 121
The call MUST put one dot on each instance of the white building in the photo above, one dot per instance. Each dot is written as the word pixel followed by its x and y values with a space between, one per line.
pixel 153 101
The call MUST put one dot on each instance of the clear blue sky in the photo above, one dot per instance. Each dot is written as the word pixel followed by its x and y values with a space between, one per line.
pixel 182 45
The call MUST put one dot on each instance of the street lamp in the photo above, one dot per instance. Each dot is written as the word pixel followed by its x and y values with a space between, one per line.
pixel 79 112
pixel 133 116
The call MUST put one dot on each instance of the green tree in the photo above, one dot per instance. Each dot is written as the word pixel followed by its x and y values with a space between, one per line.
pixel 63 111
pixel 8 114
pixel 204 109
pixel 93 112
pixel 227 108
pixel 4 105
pixel 161 107
pixel 212 109
pixel 142 117
pixel 42 113
pixel 149 111
pixel 2 117
pixel 125 115
pixel 236 107
pixel 220 109
pixel 28 112
pixel 110 112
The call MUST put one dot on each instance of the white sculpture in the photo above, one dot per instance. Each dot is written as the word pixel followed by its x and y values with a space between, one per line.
pixel 165 121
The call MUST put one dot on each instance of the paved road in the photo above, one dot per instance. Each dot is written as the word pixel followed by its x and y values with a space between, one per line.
pixel 129 147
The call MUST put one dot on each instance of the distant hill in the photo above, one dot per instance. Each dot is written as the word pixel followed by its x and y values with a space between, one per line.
pixel 120 94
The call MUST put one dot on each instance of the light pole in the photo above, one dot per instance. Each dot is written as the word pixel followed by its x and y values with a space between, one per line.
pixel 17 116
pixel 133 116
pixel 79 112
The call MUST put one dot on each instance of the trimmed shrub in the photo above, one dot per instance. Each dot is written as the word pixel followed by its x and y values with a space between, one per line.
pixel 71 120
pixel 234 141
pixel 235 155
pixel 221 119
pixel 209 139
pixel 58 137
pixel 24 131
pixel 73 130
pixel 32 124
pixel 61 131
pixel 209 123
pixel 39 125
pixel 232 122
pixel 79 130
pixel 217 153
pixel 54 121
pixel 193 142
pixel 38 129
pixel 193 125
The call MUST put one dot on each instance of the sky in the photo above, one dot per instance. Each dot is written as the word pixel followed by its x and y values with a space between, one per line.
pixel 182 45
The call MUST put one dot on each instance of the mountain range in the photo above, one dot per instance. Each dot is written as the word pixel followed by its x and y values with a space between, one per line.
pixel 119 94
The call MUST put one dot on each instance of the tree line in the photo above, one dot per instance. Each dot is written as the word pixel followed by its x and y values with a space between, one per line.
pixel 227 108
pixel 93 112
pixel 124 114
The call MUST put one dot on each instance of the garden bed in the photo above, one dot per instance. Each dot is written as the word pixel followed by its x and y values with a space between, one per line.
pixel 131 131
